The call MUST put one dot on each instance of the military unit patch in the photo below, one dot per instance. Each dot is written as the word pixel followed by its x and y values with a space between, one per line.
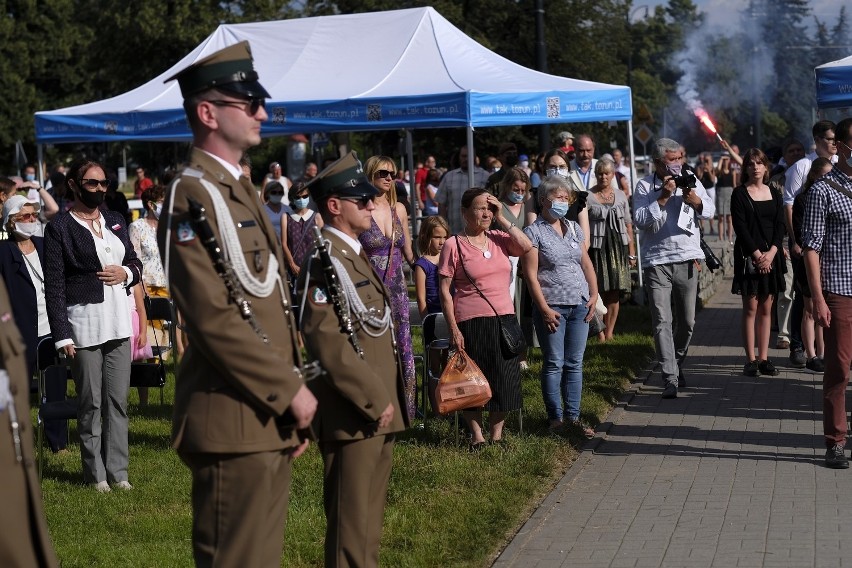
pixel 185 234
pixel 318 296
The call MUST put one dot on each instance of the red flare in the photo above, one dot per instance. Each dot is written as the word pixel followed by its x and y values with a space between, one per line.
pixel 704 118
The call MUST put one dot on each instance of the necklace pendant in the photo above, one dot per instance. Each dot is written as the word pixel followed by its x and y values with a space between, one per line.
pixel 486 253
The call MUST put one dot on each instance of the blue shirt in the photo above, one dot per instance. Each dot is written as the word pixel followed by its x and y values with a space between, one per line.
pixel 433 300
pixel 560 275
pixel 661 240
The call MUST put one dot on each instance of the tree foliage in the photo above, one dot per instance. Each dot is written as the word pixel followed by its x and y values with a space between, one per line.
pixel 56 53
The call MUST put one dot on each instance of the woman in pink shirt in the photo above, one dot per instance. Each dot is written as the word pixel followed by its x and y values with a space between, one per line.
pixel 482 256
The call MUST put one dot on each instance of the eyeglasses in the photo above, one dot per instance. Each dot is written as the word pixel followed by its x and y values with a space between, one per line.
pixel 384 174
pixel 26 217
pixel 251 105
pixel 276 193
pixel 363 200
pixel 90 183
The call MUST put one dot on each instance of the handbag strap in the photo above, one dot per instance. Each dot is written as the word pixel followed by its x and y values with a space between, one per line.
pixel 461 261
pixel 839 188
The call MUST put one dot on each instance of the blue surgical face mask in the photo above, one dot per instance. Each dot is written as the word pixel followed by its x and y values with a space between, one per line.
pixel 301 202
pixel 29 177
pixel 559 209
pixel 561 172
pixel 675 168
pixel 275 198
pixel 515 197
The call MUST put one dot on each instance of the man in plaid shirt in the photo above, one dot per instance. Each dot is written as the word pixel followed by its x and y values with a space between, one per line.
pixel 827 242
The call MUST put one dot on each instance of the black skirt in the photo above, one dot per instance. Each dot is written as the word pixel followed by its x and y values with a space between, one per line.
pixel 501 368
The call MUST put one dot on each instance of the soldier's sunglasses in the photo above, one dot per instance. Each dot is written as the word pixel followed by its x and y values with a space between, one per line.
pixel 363 200
pixel 251 105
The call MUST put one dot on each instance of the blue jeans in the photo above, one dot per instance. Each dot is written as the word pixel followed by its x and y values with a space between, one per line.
pixel 562 365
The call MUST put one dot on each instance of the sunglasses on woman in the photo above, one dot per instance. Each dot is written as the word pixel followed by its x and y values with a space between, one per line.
pixel 384 174
pixel 91 183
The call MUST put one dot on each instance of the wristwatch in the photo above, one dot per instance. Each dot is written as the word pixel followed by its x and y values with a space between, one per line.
pixel 631 257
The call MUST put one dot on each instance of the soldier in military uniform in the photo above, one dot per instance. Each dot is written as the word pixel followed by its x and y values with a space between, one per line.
pixel 240 397
pixel 24 540
pixel 361 396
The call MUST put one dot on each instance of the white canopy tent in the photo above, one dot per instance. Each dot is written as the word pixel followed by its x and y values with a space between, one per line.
pixel 374 71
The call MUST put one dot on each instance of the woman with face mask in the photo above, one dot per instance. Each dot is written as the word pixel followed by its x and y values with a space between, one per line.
pixel 297 230
pixel 557 163
pixel 89 269
pixel 21 269
pixel 143 237
pixel 561 280
pixel 513 192
pixel 273 204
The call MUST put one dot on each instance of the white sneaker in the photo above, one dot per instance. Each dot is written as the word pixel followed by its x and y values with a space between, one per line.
pixel 101 487
pixel 123 485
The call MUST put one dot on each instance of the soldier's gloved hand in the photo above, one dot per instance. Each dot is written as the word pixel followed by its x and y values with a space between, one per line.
pixel 581 200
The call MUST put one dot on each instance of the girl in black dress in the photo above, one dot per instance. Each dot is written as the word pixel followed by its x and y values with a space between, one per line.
pixel 759 265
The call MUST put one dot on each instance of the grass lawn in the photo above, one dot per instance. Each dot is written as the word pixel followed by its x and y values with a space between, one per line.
pixel 446 506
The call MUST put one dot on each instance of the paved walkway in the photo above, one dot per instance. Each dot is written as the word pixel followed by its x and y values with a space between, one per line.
pixel 729 474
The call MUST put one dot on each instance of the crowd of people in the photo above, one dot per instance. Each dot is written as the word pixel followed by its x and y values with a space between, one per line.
pixel 543 241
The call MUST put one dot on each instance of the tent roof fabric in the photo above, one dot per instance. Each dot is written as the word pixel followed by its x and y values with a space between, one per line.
pixel 834 84
pixel 374 71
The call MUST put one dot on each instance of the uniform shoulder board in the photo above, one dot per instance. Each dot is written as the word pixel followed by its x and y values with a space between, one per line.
pixel 192 172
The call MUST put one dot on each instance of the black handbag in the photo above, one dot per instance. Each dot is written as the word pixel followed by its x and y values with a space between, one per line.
pixel 511 335
pixel 710 258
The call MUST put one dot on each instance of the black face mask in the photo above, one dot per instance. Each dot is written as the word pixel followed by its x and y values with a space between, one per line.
pixel 91 199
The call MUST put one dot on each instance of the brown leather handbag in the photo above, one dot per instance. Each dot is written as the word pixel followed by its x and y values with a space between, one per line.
pixel 462 385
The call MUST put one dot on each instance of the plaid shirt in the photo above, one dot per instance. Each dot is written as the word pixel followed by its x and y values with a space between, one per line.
pixel 828 230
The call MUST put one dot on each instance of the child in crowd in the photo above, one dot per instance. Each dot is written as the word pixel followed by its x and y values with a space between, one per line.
pixel 434 231
pixel 297 230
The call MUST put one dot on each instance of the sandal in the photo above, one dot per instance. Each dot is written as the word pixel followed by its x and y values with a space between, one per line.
pixel 587 430
pixel 476 446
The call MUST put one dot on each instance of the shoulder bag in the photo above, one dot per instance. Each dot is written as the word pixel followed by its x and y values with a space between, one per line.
pixel 511 336
pixel 462 385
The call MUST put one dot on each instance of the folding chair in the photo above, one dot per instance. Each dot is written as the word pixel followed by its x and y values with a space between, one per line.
pixel 153 375
pixel 414 320
pixel 65 409
pixel 163 311
pixel 437 351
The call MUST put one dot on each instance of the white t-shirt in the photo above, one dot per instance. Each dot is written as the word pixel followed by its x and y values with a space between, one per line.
pixel 37 276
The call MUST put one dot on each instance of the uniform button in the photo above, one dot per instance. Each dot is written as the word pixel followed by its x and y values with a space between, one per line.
pixel 368 405
pixel 272 398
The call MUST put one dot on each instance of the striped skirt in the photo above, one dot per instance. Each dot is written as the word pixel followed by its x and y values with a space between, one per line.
pixel 501 369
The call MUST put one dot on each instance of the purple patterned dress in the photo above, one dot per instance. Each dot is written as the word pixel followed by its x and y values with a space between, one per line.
pixel 377 247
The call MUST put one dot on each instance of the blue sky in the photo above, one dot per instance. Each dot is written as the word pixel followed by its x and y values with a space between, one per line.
pixel 722 12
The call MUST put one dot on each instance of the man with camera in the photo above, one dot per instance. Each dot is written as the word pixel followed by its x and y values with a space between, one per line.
pixel 665 206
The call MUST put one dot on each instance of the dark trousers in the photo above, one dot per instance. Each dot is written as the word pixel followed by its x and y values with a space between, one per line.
pixel 838 357
pixel 796 314
pixel 239 507
pixel 355 489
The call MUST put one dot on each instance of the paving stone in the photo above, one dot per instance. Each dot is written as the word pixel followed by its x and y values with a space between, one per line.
pixel 728 474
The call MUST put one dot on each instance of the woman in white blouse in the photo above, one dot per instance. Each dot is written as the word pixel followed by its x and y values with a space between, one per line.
pixel 89 268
